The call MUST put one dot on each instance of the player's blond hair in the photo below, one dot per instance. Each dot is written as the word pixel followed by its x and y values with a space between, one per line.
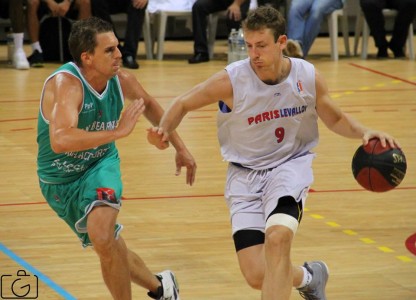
pixel 265 17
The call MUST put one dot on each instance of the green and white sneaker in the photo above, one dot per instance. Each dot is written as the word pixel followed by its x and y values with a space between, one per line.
pixel 315 290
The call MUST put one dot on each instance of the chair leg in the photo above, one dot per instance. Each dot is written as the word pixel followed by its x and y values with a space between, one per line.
pixel 161 34
pixel 147 36
pixel 346 33
pixel 358 30
pixel 212 31
pixel 364 42
pixel 333 35
pixel 61 42
pixel 410 47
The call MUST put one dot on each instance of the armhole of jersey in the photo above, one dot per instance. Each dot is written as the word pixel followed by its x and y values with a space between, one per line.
pixel 43 92
pixel 223 107
pixel 120 89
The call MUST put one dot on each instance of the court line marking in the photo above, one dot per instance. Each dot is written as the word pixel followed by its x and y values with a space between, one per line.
pixel 54 286
pixel 383 74
pixel 410 242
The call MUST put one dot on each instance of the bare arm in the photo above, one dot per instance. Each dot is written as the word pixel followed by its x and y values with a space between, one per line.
pixel 341 123
pixel 217 87
pixel 132 89
pixel 61 104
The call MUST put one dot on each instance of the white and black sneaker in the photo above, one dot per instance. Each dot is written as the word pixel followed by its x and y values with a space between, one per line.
pixel 169 289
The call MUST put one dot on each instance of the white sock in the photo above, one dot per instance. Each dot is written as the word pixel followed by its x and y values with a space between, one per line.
pixel 36 46
pixel 307 278
pixel 18 40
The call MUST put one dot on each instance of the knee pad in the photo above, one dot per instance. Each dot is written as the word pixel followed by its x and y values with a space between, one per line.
pixel 287 213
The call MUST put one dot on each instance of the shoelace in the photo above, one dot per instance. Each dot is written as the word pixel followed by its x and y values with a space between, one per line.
pixel 307 295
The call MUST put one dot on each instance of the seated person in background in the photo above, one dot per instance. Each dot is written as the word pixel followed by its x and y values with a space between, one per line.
pixel 236 12
pixel 303 24
pixel 372 10
pixel 135 10
pixel 79 9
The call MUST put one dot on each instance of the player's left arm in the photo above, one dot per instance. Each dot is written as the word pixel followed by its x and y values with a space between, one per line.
pixel 340 122
pixel 132 89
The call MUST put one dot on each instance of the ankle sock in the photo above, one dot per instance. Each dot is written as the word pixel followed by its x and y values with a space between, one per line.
pixel 36 46
pixel 18 40
pixel 307 278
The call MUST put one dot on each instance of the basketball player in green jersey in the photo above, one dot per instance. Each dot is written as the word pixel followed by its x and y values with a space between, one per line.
pixel 78 163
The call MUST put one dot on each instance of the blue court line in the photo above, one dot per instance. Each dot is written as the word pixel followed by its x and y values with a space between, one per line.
pixel 59 290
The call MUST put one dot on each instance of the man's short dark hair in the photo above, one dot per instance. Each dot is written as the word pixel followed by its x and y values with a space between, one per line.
pixel 83 36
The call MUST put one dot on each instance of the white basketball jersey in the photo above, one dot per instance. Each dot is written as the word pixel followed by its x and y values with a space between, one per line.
pixel 269 124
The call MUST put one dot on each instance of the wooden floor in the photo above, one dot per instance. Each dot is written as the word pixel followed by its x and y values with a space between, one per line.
pixel 367 239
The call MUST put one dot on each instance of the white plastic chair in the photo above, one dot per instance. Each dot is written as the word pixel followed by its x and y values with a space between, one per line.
pixel 212 31
pixel 160 22
pixel 361 26
pixel 333 31
pixel 148 41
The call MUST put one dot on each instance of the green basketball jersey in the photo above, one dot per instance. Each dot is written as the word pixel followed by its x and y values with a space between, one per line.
pixel 98 112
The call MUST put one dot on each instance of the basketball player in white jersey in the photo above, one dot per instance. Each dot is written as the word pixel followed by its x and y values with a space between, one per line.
pixel 267 127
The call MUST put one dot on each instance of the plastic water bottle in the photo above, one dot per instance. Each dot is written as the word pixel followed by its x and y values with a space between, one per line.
pixel 241 45
pixel 232 46
pixel 10 46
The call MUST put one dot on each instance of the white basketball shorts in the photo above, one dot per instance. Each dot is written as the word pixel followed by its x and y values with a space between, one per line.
pixel 252 195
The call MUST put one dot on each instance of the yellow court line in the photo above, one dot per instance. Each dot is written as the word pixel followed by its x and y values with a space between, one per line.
pixel 365 240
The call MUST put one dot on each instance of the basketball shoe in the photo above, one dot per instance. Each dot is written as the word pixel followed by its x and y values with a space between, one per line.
pixel 19 60
pixel 169 289
pixel 36 59
pixel 315 290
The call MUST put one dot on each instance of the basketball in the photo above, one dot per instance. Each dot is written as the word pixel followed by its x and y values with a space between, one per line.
pixel 378 169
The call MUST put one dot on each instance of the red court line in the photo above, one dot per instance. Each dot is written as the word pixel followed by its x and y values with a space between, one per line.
pixel 385 110
pixel 21 129
pixel 201 117
pixel 18 101
pixel 380 90
pixel 16 120
pixel 206 196
pixel 383 74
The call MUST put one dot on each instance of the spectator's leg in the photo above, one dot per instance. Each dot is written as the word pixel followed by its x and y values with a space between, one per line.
pixel 296 19
pixel 17 19
pixel 84 9
pixel 33 20
pixel 373 14
pixel 314 20
pixel 33 26
pixel 17 16
pixel 200 10
pixel 406 15
pixel 135 19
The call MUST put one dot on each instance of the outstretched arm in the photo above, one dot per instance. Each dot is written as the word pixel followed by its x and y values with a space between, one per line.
pixel 218 87
pixel 132 89
pixel 341 123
